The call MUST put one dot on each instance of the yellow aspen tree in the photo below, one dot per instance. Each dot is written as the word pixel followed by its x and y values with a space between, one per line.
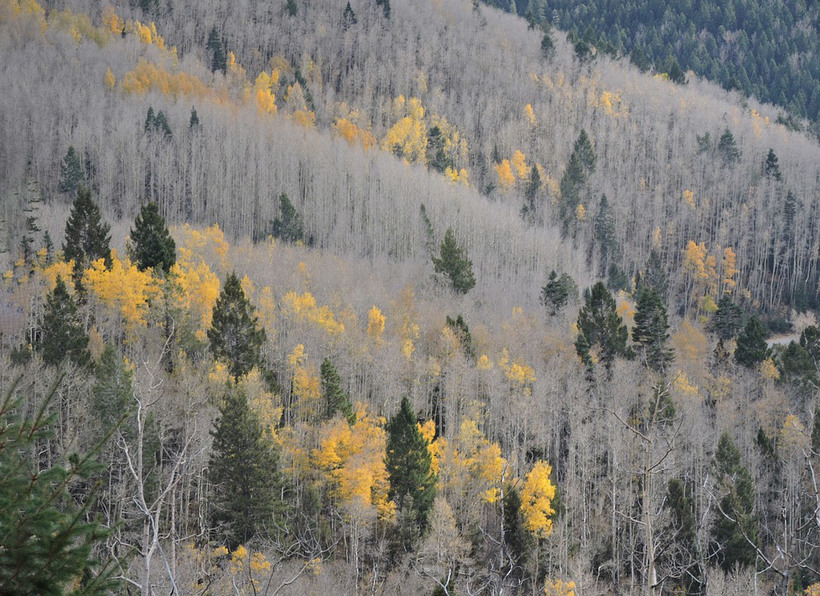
pixel 536 500
pixel 124 288
pixel 108 80
pixel 529 114
pixel 506 177
pixel 729 270
pixel 559 587
pixel 519 165
pixel 375 324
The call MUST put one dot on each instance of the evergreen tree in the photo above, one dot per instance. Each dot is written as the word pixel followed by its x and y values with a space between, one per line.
pixel 86 236
pixel 161 125
pixel 586 154
pixel 557 292
pixel 63 335
pixel 348 17
pixel 605 233
pixel 453 262
pixel 655 275
pixel 728 318
pixel 734 532
pixel 290 227
pixel 335 398
pixel 152 245
pixel 150 120
pixel 651 329
pixel 437 157
pixel 602 327
pixel 408 461
pixel 112 393
pixel 547 46
pixel 515 536
pixel 235 336
pixel 462 331
pixel 291 8
pixel 683 552
pixel 193 122
pixel 219 59
pixel 751 347
pixel 243 473
pixel 771 169
pixel 727 148
pixel 385 4
pixel 71 172
pixel 531 191
pixel 46 539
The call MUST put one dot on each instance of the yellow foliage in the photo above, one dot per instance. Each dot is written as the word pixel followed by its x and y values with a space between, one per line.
pixel 59 269
pixel 375 323
pixel 208 245
pixel 536 500
pixel 109 81
pixel 303 307
pixel 198 289
pixel 407 348
pixel 407 138
pixel 793 435
pixel 484 362
pixel 559 587
pixel 457 176
pixel 519 164
pixel 475 463
pixel 353 134
pixel 813 590
pixel 123 287
pixel 729 270
pixel 683 386
pixel 506 177
pixel 689 198
pixel 581 212
pixel 529 114
pixel 768 370
pixel 690 343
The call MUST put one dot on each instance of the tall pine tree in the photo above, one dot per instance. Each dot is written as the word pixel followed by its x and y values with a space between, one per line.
pixel 602 327
pixel 752 348
pixel 87 238
pixel 336 400
pixel 651 329
pixel 243 472
pixel 152 245
pixel 408 463
pixel 235 336
pixel 453 262
pixel 63 335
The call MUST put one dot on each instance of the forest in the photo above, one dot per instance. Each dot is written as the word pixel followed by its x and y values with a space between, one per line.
pixel 395 298
pixel 766 50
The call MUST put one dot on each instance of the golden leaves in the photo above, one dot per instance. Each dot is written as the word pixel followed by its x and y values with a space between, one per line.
pixel 536 500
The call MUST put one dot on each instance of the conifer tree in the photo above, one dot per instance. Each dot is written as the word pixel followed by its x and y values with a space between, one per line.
pixel 86 236
pixel 348 17
pixel 557 292
pixel 728 318
pixel 605 234
pixel 152 245
pixel 291 8
pixel 385 4
pixel 289 227
pixel 412 483
pixel 112 393
pixel 453 262
pixel 243 473
pixel 235 336
pixel 336 400
pixel 602 327
pixel 655 276
pixel 63 335
pixel 219 60
pixel 735 530
pixel 515 536
pixel 71 172
pixel 727 148
pixel 752 348
pixel 586 154
pixel 531 191
pixel 193 121
pixel 150 120
pixel 46 539
pixel 771 169
pixel 683 552
pixel 547 46
pixel 651 329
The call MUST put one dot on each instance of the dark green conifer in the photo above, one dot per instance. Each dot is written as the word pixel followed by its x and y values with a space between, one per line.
pixel 150 120
pixel 193 122
pixel 243 472
pixel 728 318
pixel 453 262
pixel 602 327
pixel 752 348
pixel 531 191
pixel 219 59
pixel 63 335
pixel 291 8
pixel 151 243
pixel 348 17
pixel 112 393
pixel 412 483
pixel 71 172
pixel 289 227
pixel 86 236
pixel 727 149
pixel 335 398
pixel 771 169
pixel 385 4
pixel 235 336
pixel 651 330
pixel 547 46
pixel 515 536
pixel 558 292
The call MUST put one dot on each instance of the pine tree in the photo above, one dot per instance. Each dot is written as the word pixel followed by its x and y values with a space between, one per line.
pixel 557 292
pixel 771 169
pixel 735 530
pixel 651 330
pixel 655 275
pixel 727 148
pixel 531 191
pixel 515 536
pixel 291 8
pixel 547 46
pixel 453 262
pixel 586 154
pixel 86 236
pixel 348 17
pixel 602 326
pixel 385 4
pixel 71 172
pixel 336 400
pixel 152 245
pixel 605 233
pixel 150 120
pixel 751 347
pixel 243 473
pixel 408 465
pixel 46 539
pixel 683 551
pixel 63 335
pixel 290 227
pixel 235 336
pixel 112 393
pixel 728 318
pixel 219 60
pixel 193 121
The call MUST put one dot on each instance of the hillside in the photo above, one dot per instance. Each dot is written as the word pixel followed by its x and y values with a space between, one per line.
pixel 358 170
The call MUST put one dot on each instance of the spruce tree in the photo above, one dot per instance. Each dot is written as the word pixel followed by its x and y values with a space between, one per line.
pixel 531 191
pixel 408 461
pixel 71 172
pixel 291 8
pixel 112 393
pixel 602 327
pixel 348 17
pixel 515 536
pixel 152 245
pixel 219 60
pixel 46 538
pixel 243 472
pixel 771 169
pixel 385 4
pixel 235 336
pixel 728 318
pixel 453 262
pixel 557 292
pixel 752 348
pixel 289 227
pixel 651 330
pixel 727 148
pixel 193 121
pixel 63 335
pixel 86 236
pixel 335 398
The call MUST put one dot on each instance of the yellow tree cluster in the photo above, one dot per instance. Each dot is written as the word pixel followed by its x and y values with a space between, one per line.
pixel 263 89
pixel 710 275
pixel 303 307
pixel 536 500
pixel 123 288
pixel 355 135
pixel 147 76
pixel 307 389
